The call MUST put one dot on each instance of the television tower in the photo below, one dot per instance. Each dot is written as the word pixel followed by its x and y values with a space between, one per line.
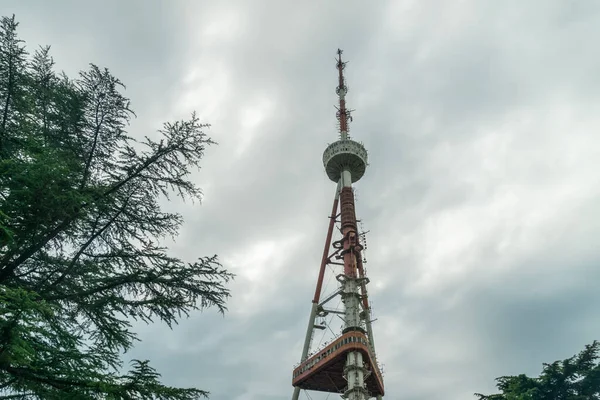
pixel 347 365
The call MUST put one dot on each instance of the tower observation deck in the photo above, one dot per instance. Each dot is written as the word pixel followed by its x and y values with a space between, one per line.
pixel 348 364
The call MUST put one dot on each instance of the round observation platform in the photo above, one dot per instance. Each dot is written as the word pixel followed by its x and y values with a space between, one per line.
pixel 343 155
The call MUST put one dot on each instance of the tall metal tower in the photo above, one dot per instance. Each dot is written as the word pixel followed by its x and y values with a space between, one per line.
pixel 347 365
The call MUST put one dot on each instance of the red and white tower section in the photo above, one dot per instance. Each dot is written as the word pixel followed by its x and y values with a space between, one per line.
pixel 347 364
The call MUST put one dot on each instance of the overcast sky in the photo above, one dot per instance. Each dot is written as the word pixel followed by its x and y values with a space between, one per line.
pixel 481 197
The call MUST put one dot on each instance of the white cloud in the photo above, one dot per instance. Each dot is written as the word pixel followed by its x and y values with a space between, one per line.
pixel 260 268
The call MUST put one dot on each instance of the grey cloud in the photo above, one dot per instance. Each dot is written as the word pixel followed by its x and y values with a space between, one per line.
pixel 473 178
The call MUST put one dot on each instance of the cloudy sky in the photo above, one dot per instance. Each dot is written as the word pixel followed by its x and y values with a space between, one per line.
pixel 481 198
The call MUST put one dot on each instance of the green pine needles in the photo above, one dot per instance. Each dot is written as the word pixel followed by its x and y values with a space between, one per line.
pixel 79 225
pixel 576 378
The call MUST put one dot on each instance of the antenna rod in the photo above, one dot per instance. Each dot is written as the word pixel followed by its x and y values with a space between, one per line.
pixel 343 114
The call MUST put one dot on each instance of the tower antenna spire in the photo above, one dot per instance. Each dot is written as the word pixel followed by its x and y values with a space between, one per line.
pixel 347 365
pixel 343 114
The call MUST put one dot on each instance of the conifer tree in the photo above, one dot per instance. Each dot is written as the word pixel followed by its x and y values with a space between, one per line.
pixel 80 232
pixel 576 378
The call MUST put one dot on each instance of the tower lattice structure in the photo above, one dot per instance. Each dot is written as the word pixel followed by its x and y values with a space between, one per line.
pixel 348 364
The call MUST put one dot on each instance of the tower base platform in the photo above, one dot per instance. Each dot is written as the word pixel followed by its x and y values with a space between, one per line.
pixel 323 371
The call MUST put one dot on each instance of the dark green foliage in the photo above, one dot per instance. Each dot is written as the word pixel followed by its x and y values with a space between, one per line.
pixel 80 223
pixel 576 378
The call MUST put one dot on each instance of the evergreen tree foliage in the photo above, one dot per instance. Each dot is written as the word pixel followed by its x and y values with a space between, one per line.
pixel 576 378
pixel 80 227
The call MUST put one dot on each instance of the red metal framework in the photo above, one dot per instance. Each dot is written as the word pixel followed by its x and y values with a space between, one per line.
pixel 349 231
pixel 326 258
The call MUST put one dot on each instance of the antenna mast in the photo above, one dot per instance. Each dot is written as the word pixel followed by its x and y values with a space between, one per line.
pixel 343 114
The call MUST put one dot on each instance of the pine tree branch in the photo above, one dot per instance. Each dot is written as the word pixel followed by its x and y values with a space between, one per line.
pixel 72 265
pixel 88 162
pixel 9 267
pixel 10 382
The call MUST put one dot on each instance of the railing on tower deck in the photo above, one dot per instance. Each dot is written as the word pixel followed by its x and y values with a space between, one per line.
pixel 351 341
